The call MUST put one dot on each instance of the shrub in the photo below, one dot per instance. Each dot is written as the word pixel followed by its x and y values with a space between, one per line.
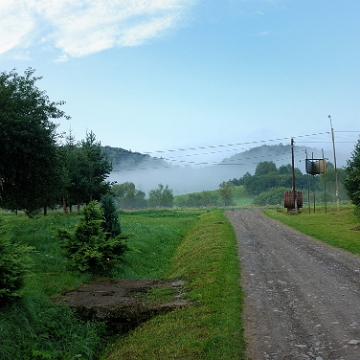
pixel 273 196
pixel 88 248
pixel 14 265
pixel 203 199
pixel 35 328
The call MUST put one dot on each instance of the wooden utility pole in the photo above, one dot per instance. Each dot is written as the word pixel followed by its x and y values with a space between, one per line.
pixel 336 176
pixel 293 176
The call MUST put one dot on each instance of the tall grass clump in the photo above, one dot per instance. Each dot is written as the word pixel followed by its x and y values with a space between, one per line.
pixel 34 327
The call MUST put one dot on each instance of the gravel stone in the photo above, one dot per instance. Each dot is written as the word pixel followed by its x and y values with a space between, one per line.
pixel 301 294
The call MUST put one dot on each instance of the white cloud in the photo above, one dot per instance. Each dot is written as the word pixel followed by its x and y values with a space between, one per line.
pixel 62 58
pixel 15 25
pixel 82 27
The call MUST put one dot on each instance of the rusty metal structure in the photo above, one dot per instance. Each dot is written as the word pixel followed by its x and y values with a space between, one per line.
pixel 314 167
pixel 293 198
pixel 289 202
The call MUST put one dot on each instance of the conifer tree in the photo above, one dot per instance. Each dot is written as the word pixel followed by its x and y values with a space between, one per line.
pixel 352 179
pixel 111 223
pixel 14 265
pixel 89 248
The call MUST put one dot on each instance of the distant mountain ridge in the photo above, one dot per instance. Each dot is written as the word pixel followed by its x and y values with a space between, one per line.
pixel 147 172
pixel 280 154
pixel 123 159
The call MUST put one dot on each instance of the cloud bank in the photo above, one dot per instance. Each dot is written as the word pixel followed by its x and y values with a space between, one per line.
pixel 82 27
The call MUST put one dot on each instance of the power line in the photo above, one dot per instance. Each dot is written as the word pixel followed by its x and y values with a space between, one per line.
pixel 236 144
pixel 175 159
pixel 227 163
pixel 211 147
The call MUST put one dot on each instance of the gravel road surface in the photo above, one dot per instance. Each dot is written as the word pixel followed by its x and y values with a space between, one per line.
pixel 302 296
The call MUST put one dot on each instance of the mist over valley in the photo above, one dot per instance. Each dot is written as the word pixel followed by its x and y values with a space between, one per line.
pixel 147 172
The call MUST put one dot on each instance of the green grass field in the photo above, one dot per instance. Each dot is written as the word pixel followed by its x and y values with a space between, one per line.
pixel 240 198
pixel 335 228
pixel 211 326
pixel 198 246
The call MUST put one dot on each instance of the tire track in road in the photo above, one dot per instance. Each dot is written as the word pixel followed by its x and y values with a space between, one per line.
pixel 303 296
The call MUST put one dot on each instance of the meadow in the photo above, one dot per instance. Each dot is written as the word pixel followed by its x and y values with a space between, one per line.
pixel 197 246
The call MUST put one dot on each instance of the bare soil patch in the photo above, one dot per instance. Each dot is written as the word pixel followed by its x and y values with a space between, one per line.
pixel 303 296
pixel 123 304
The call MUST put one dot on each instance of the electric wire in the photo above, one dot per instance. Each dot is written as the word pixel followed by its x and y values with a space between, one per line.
pixel 220 148
pixel 236 144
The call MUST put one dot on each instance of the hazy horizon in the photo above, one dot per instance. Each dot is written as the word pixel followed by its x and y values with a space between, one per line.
pixel 187 179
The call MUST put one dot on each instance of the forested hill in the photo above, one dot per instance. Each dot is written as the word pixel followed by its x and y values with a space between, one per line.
pixel 280 154
pixel 127 160
pixel 147 172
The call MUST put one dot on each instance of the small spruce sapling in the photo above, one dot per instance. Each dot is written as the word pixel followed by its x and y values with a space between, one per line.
pixel 14 266
pixel 88 248
pixel 111 223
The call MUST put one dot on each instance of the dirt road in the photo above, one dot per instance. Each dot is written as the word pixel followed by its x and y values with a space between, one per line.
pixel 303 297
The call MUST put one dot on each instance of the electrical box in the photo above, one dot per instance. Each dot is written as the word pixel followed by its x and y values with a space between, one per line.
pixel 315 167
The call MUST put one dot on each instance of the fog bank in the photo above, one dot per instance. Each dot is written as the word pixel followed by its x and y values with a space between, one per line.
pixel 183 180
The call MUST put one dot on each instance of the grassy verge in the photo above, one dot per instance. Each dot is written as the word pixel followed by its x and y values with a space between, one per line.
pixel 333 227
pixel 154 237
pixel 36 328
pixel 211 326
pixel 197 246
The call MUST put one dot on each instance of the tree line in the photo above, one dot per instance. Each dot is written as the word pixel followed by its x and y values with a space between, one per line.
pixel 128 197
pixel 269 183
pixel 36 171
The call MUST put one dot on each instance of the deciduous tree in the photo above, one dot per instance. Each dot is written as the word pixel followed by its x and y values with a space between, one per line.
pixel 28 161
pixel 128 197
pixel 226 192
pixel 265 167
pixel 161 197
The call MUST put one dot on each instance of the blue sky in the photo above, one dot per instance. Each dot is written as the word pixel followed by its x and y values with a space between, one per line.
pixel 152 75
